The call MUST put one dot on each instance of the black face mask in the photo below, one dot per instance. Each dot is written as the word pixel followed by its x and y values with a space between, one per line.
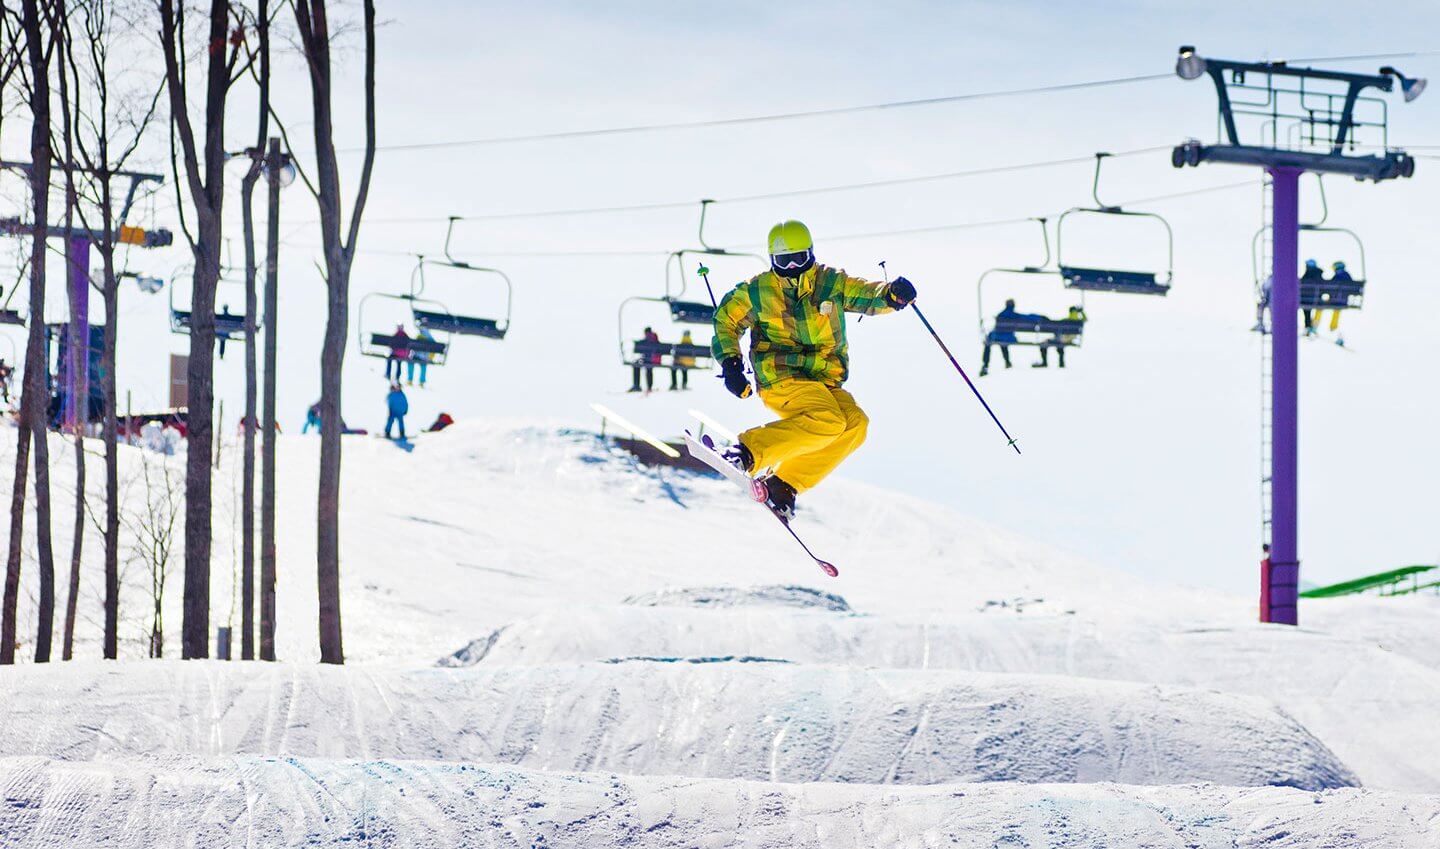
pixel 778 262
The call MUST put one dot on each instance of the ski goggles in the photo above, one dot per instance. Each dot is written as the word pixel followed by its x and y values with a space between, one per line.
pixel 796 259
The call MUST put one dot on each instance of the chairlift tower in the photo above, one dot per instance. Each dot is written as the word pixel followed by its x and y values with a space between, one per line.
pixel 77 255
pixel 1295 120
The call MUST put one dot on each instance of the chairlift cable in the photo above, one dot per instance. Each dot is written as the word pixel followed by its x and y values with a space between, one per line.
pixel 774 117
pixel 842 187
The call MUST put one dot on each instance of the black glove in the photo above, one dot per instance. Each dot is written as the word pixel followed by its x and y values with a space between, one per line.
pixel 901 293
pixel 732 369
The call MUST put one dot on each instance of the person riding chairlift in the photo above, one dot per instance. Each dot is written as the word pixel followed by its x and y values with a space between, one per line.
pixel 1313 277
pixel 681 365
pixel 649 361
pixel 1060 342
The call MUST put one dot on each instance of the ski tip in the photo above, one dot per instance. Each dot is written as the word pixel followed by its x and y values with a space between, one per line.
pixel 828 568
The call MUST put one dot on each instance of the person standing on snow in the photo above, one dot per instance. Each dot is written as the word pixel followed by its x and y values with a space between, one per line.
pixel 397 405
pixel 795 313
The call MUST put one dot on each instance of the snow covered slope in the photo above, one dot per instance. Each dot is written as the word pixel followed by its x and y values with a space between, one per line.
pixel 549 645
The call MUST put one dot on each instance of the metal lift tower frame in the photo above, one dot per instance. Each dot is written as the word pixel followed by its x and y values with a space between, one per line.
pixel 1306 120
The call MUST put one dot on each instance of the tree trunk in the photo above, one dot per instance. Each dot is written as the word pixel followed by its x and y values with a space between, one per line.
pixel 17 532
pixel 205 176
pixel 267 460
pixel 111 647
pixel 332 358
pixel 34 405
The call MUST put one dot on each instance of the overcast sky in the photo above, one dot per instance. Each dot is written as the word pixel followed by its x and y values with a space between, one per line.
pixel 1143 454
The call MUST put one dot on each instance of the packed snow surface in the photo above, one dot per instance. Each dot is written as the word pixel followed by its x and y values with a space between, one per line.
pixel 557 647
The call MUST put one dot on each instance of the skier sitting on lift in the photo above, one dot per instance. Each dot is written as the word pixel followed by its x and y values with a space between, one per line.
pixel 1340 275
pixel 795 313
pixel 1004 338
pixel 1060 341
pixel 1312 277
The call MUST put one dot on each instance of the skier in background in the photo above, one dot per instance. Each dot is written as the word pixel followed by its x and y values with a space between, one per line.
pixel 1060 342
pixel 1003 338
pixel 1340 275
pixel 397 355
pixel 420 358
pixel 680 365
pixel 1312 277
pixel 312 418
pixel 397 405
pixel 6 372
pixel 441 422
pixel 649 362
pixel 795 313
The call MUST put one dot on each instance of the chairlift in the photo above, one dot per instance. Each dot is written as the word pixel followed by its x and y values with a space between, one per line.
pixel 1320 294
pixel 681 311
pixel 387 344
pixel 228 325
pixel 442 319
pixel 1038 331
pixel 1128 282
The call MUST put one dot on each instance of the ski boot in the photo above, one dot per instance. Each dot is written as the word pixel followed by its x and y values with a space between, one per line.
pixel 781 498
pixel 740 457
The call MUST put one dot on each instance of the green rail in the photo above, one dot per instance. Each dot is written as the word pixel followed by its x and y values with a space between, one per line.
pixel 1379 581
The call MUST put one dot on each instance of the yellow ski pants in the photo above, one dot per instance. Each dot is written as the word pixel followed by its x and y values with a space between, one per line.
pixel 819 427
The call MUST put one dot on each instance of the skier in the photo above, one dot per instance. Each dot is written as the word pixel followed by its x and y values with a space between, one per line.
pixel 6 372
pixel 1340 275
pixel 680 365
pixel 1003 338
pixel 795 313
pixel 397 405
pixel 1312 278
pixel 420 358
pixel 649 361
pixel 1060 341
pixel 398 355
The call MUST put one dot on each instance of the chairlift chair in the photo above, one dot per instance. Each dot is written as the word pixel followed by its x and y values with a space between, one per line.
pixel 384 344
pixel 443 319
pixel 1047 332
pixel 228 325
pixel 1128 282
pixel 681 310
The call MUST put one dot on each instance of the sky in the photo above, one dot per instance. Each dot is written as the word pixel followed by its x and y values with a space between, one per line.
pixel 1142 454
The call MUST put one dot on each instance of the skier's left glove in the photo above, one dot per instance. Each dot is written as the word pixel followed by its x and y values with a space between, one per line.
pixel 732 369
pixel 900 293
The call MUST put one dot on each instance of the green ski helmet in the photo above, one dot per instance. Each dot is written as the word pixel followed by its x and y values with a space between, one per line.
pixel 791 248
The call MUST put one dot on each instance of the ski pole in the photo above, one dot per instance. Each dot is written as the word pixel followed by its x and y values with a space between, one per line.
pixel 953 362
pixel 705 275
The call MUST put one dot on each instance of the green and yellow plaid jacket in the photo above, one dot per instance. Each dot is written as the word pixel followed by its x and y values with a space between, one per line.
pixel 797 327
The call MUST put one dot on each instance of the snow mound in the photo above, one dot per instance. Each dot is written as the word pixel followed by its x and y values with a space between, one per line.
pixel 703 719
pixel 1375 708
pixel 790 596
pixel 232 801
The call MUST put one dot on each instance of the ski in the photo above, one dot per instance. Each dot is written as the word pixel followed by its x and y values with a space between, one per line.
pixel 704 450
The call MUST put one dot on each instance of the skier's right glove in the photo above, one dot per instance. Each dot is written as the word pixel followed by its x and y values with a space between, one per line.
pixel 732 369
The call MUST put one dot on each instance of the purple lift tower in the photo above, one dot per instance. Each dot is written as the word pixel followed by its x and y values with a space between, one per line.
pixel 1296 120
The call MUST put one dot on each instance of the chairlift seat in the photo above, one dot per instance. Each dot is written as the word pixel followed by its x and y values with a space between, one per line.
pixel 691 312
pixel 227 325
pixel 462 325
pixel 1109 280
pixel 404 343
pixel 1050 332
pixel 644 348
pixel 11 317
pixel 1332 294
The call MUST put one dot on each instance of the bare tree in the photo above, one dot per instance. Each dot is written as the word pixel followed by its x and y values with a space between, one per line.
pixel 152 524
pixel 34 402
pixel 315 35
pixel 79 347
pixel 204 169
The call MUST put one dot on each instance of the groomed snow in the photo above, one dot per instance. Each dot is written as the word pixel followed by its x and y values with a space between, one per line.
pixel 703 717
pixel 245 802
